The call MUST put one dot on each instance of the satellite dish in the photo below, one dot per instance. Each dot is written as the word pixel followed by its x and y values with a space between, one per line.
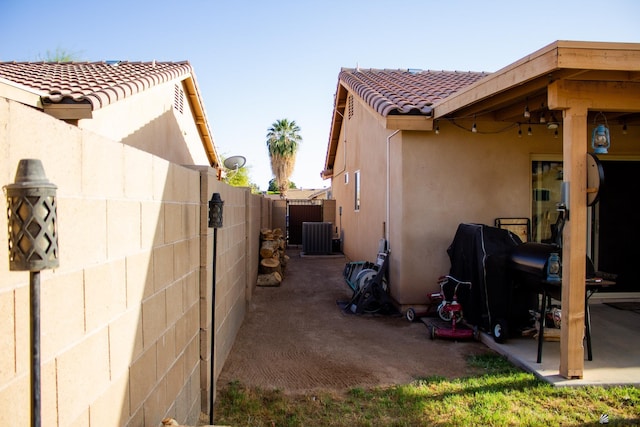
pixel 234 162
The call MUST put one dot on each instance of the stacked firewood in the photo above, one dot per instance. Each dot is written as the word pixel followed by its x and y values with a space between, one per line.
pixel 273 259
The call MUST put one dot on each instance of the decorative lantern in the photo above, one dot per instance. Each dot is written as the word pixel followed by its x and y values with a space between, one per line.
pixel 600 138
pixel 554 268
pixel 32 219
pixel 215 211
pixel 33 246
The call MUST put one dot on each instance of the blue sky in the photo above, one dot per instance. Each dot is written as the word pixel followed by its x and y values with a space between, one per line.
pixel 260 61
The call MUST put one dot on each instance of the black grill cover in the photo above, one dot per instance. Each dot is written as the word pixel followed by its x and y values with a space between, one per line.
pixel 480 254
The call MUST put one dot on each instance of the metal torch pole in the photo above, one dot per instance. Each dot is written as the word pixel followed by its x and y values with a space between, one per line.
pixel 213 324
pixel 34 295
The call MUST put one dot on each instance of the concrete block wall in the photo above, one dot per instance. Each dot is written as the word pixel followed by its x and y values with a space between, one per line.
pixel 124 318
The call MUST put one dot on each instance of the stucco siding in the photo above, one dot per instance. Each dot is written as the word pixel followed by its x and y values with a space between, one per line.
pixel 362 148
pixel 150 121
pixel 435 183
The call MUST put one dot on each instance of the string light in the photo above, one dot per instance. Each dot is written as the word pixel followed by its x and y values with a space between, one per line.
pixel 527 113
pixel 474 128
pixel 624 128
pixel 543 119
pixel 437 128
pixel 519 131
pixel 529 131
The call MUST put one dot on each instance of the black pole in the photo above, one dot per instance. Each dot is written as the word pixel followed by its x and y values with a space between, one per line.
pixel 213 324
pixel 35 348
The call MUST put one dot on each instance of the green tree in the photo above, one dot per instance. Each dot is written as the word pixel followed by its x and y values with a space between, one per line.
pixel 283 139
pixel 60 55
pixel 238 178
pixel 273 185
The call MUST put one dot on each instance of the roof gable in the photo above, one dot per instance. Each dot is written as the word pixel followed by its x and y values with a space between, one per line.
pixel 95 83
pixel 73 90
pixel 393 92
pixel 404 99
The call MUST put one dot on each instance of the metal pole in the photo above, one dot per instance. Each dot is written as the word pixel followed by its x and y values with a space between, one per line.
pixel 213 325
pixel 35 348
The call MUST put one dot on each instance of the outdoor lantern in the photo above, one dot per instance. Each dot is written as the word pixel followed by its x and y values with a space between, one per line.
pixel 32 222
pixel 553 268
pixel 600 139
pixel 33 246
pixel 215 211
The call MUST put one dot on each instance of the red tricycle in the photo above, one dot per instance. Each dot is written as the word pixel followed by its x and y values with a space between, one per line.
pixel 448 308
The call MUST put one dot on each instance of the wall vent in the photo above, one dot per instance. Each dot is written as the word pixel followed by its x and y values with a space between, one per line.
pixel 178 99
pixel 316 238
pixel 350 113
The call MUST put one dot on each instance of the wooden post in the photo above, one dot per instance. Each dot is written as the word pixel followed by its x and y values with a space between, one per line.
pixel 574 248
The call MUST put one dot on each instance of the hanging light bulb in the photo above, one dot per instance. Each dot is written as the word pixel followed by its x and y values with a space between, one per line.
pixel 437 128
pixel 526 113
pixel 529 131
pixel 624 128
pixel 474 128
pixel 543 119
pixel 519 131
pixel 555 133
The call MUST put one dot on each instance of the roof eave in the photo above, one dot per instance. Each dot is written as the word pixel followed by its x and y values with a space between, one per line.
pixel 537 70
pixel 201 121
pixel 19 93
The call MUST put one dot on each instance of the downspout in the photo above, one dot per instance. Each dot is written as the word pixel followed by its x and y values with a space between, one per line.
pixel 386 228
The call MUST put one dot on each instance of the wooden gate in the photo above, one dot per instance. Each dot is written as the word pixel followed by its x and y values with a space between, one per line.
pixel 302 211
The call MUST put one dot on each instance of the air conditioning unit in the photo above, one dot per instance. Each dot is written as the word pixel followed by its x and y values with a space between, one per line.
pixel 316 238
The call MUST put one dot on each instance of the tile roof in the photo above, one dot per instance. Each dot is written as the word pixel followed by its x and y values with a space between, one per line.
pixel 391 92
pixel 96 83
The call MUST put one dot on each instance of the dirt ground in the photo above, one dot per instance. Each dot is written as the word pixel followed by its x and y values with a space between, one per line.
pixel 297 339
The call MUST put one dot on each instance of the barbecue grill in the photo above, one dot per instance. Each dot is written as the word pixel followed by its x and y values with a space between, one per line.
pixel 538 266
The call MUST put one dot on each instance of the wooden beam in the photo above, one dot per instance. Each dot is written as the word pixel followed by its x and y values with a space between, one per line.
pixel 69 111
pixel 409 123
pixel 602 96
pixel 601 56
pixel 538 64
pixel 574 239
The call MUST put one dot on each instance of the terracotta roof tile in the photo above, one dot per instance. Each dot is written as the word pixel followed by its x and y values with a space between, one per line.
pixel 392 92
pixel 97 83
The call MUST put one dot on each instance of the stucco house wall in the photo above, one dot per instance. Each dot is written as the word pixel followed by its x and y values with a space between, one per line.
pixel 125 318
pixel 153 121
pixel 362 148
pixel 435 183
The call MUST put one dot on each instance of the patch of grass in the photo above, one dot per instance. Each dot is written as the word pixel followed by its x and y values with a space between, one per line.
pixel 502 395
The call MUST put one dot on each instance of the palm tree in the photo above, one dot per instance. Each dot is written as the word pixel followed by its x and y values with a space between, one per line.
pixel 282 141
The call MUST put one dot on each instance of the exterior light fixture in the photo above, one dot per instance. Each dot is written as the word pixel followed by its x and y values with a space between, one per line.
pixel 215 211
pixel 529 130
pixel 437 130
pixel 624 128
pixel 554 268
pixel 33 246
pixel 600 138
pixel 519 131
pixel 543 119
pixel 474 128
pixel 215 222
pixel 526 113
